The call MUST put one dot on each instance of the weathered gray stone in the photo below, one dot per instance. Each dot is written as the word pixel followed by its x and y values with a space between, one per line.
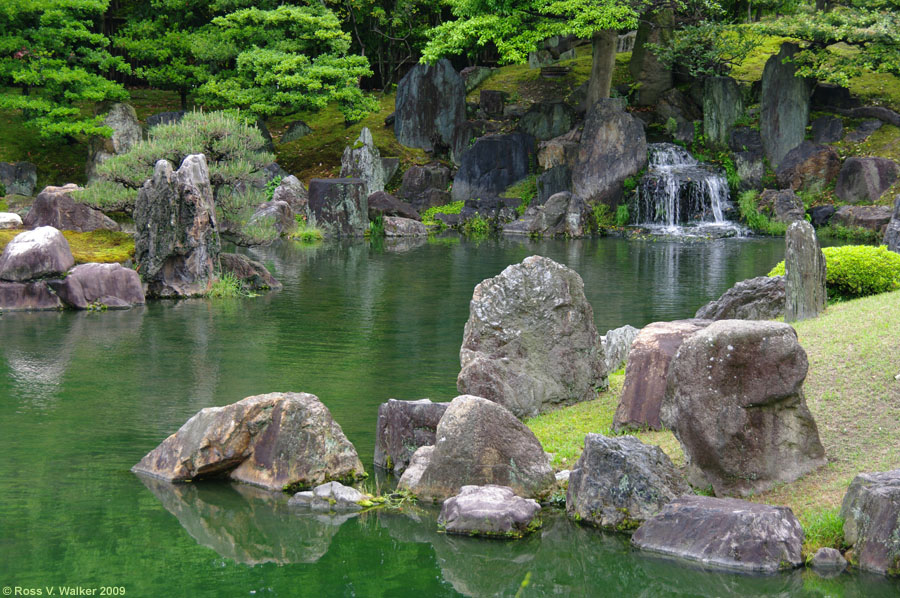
pixel 27 296
pixel 550 182
pixel 620 482
pixel 164 118
pixel 617 346
pixel 292 192
pixel 10 220
pixel 91 284
pixel 331 496
pixel 873 218
pixel 431 101
pixel 808 167
pixel 652 76
pixel 295 130
pixel 362 160
pixel 821 215
pixel 865 179
pixel 489 510
pixel 274 214
pixel 385 204
pixel 560 151
pixel 479 442
pixel 464 135
pixel 279 441
pixel 19 178
pixel 679 106
pixel 735 402
pixel 252 274
pixel 403 427
pixel 804 279
pixel 760 298
pixel 784 110
pixel 871 513
pixel 782 205
pixel 403 227
pixel 55 207
pixel 725 534
pixel 491 102
pixel 723 105
pixel 827 129
pixel 417 180
pixel 475 76
pixel 862 132
pixel 828 561
pixel 750 170
pixel 126 133
pixel 892 232
pixel 492 164
pixel 545 121
pixel 563 214
pixel 530 341
pixel 745 139
pixel 34 254
pixel 339 206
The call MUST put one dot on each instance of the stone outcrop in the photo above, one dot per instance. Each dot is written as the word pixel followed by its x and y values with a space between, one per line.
pixel 489 510
pixel 784 108
pixel 279 441
pixel 530 341
pixel 27 296
pixel 39 253
pixel 431 101
pixel 892 232
pixel 782 205
pixel 820 215
pixel 292 192
pixel 362 160
pixel 403 227
pixel 126 133
pixel 804 273
pixel 18 178
pixel 545 121
pixel 550 182
pixel 55 207
pixel 735 402
pixel 560 151
pixel 252 274
pixel 339 206
pixel 865 179
pixel 725 533
pixel 419 183
pixel 562 215
pixel 760 298
pixel 620 482
pixel 331 496
pixel 827 129
pixel 491 165
pixel 479 442
pixel 403 427
pixel 652 76
pixel 873 218
pixel 491 102
pixel 808 167
pixel 723 105
pixel 384 204
pixel 617 346
pixel 871 513
pixel 111 285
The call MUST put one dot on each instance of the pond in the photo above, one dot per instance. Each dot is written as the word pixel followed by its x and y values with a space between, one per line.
pixel 83 396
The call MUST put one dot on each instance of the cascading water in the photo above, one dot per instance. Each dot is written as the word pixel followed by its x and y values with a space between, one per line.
pixel 679 192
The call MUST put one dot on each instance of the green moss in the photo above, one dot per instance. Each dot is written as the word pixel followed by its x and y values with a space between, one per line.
pixel 755 219
pixel 477 227
pixel 751 69
pixel 450 208
pixel 3 206
pixel 525 190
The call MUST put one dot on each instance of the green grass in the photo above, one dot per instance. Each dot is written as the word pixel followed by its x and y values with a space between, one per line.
pixel 428 215
pixel 101 246
pixel 525 190
pixel 227 286
pixel 756 220
pixel 823 528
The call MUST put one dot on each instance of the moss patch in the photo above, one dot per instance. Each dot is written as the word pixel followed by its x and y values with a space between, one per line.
pixel 101 246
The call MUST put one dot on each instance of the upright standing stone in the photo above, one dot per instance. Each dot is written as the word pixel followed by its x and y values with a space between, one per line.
pixel 403 427
pixel 722 107
pixel 126 133
pixel 431 101
pixel 892 234
pixel 363 160
pixel 871 514
pixel 804 273
pixel 491 165
pixel 784 109
pixel 654 77
pixel 339 206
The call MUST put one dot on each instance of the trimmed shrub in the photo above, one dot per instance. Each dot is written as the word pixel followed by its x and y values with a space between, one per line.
pixel 857 270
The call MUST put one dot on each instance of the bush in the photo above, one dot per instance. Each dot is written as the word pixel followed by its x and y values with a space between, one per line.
pixel 857 270
pixel 227 286
pixel 756 220
pixel 476 226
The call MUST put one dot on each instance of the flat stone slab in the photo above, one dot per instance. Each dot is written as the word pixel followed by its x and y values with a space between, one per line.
pixel 489 510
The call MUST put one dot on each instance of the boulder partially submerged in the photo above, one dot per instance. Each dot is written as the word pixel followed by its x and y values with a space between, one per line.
pixel 331 496
pixel 871 513
pixel 403 427
pixel 489 510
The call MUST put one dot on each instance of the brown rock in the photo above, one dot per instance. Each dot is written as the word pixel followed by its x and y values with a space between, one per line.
pixel 112 285
pixel 28 296
pixel 809 166
pixel 55 207
pixel 254 275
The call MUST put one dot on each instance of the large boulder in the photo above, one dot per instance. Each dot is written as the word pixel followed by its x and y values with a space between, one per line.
pixel 804 273
pixel 620 482
pixel 251 273
pixel 479 442
pixel 417 181
pixel 279 441
pixel 652 75
pixel 760 298
pixel 27 296
pixel 545 121
pixel 403 427
pixel 292 192
pixel 723 105
pixel 55 207
pixel 865 179
pixel 871 514
pixel 126 133
pixel 735 402
pixel 431 101
pixel 550 182
pixel 177 241
pixel 491 165
pixel 783 205
pixel 827 129
pixel 362 160
pixel 491 510
pixel 617 346
pixel 750 169
pixel 808 167
pixel 10 220
pixel 646 372
pixel 873 218
pixel 892 232
pixel 613 148
pixel 33 254
pixel 18 178
pixel 273 214
pixel 395 226
pixel 111 285
pixel 383 204
pixel 560 151
pixel 562 215
pixel 339 206
pixel 530 342
pixel 784 110
pixel 725 533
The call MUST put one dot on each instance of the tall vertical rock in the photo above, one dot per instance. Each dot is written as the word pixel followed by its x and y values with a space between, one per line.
pixel 722 107
pixel 804 273
pixel 126 133
pixel 784 110
pixel 892 234
pixel 363 160
pixel 339 207
pixel 654 77
pixel 431 101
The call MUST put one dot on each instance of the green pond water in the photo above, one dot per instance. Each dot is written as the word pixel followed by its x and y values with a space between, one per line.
pixel 83 396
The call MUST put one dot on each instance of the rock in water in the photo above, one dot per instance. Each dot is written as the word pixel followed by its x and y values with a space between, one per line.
pixel 804 273
pixel 339 206
pixel 620 482
pixel 871 513
pixel 362 160
pixel 404 427
pixel 760 298
pixel 491 165
pixel 865 179
pixel 784 109
pixel 19 178
pixel 253 274
pixel 55 207
pixel 27 296
pixel 126 133
pixel 177 241
pixel 735 402
pixel 723 105
pixel 111 285
pixel 277 215
pixel 332 496
pixel 489 510
pixel 617 346
pixel 403 227
pixel 828 561
pixel 725 533
pixel 892 234
pixel 384 204
pixel 431 101
pixel 279 441
pixel 479 442
pixel 530 341
pixel 37 253
pixel 562 215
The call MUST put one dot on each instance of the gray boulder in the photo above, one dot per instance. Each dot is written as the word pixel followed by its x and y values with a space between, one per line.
pixel 292 192
pixel 865 179
pixel 464 135
pixel 804 273
pixel 252 274
pixel 403 427
pixel 479 442
pixel 296 129
pixel 10 220
pixel 862 132
pixel 784 110
pixel 745 139
pixel 735 402
pixel 279 441
pixel 491 102
pixel 491 165
pixel 553 181
pixel 19 178
pixel 33 254
pixel 827 129
pixel 164 118
pixel 395 226
pixel 560 151
pixel 274 214
pixel 782 204
pixel 750 170
pixel 383 203
pixel 652 76
pixel 808 167
pixel 339 206
pixel 417 181
pixel 55 207
pixel 331 496
pixel 562 215
pixel 760 298
pixel 475 76
pixel 723 105
pixel 111 285
pixel 362 160
pixel 892 232
pixel 620 482
pixel 489 510
pixel 126 133
pixel 820 215
pixel 545 121
pixel 530 342
pixel 431 101
pixel 617 346
pixel 827 561
pixel 27 296
pixel 725 533
pixel 874 218
pixel 871 513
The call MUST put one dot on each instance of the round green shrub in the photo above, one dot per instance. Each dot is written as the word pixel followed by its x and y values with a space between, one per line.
pixel 857 270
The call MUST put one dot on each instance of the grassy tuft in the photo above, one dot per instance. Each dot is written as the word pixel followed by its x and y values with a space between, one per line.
pixel 525 190
pixel 227 286
pixel 756 220
pixel 823 528
pixel 450 208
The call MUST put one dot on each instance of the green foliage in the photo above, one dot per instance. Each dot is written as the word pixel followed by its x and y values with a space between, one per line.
pixel 259 232
pixel 857 270
pixel 622 215
pixel 102 246
pixel 227 286
pixel 823 528
pixel 857 234
pixel 271 186
pixel 3 193
pixel 631 183
pixel 450 208
pixel 476 227
pixel 376 227
pixel 603 216
pixel 107 196
pixel 526 190
pixel 756 220
pixel 707 49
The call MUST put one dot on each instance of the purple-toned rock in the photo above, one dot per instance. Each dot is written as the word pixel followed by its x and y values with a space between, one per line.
pixel 27 296
pixel 760 298
pixel 865 179
pixel 33 254
pixel 809 167
pixel 253 274
pixel 490 510
pixel 292 192
pixel 55 207
pixel 874 218
pixel 403 427
pixel 385 204
pixel 112 285
pixel 871 513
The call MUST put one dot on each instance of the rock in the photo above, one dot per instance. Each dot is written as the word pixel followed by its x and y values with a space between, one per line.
pixel 431 198
pixel 560 151
pixel 646 371
pixel 804 280
pixel 735 402
pixel 492 164
pixel 91 284
pixel 745 139
pixel 419 179
pixel 339 206
pixel 677 105
pixel 545 121
pixel 385 204
pixel 253 274
pixel 784 110
pixel 403 427
pixel 28 296
pixel 862 132
pixel 9 220
pixel 782 205
pixel 613 148
pixel 267 136
pixel 865 179
pixel 550 182
pixel 55 207
pixel 389 166
pixel 750 170
pixel 871 513
pixel 18 178
pixel 363 161
pixel 177 242
pixel 126 133
pixel 296 129
pixel 479 442
pixel 620 482
pixel 564 214
pixel 403 227
pixel 723 105
pixel 530 342
pixel 827 129
pixel 617 346
pixel 464 135
pixel 808 167
pixel 489 510
pixel 874 218
pixel 760 298
pixel 475 76
pixel 279 441
pixel 430 103
pixel 332 496
pixel 625 42
pixel 496 210
pixel 653 78
pixel 725 533
pixel 449 220
pixel 275 214
pixel 164 118
pixel 829 96
pixel 34 254
pixel 552 50
pixel 828 560
pixel 292 192
pixel 491 102
pixel 892 233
